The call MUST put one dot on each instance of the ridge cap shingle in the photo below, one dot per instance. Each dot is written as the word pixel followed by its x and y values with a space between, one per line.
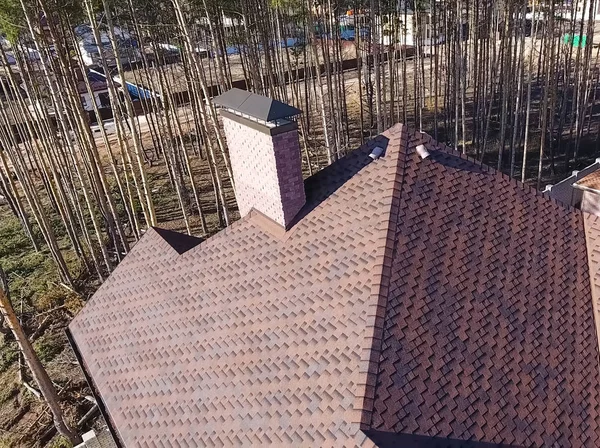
pixel 397 151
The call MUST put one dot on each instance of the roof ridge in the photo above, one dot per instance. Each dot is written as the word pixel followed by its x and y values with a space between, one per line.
pixel 369 363
pixel 222 301
pixel 383 275
pixel 250 314
pixel 470 260
pixel 247 97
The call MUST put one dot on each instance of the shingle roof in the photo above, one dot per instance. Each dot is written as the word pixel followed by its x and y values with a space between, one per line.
pixel 426 302
pixel 489 332
pixel 591 181
pixel 254 336
pixel 95 86
pixel 592 234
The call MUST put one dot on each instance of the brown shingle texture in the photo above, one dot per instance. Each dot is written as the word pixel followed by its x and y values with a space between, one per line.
pixel 430 298
pixel 591 181
pixel 592 234
pixel 489 332
pixel 255 336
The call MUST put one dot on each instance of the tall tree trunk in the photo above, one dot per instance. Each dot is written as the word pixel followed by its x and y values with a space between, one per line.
pixel 529 82
pixel 37 369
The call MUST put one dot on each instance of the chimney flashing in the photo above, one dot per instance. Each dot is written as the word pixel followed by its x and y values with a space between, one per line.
pixel 268 128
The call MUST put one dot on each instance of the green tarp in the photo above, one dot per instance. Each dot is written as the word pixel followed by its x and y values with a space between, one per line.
pixel 575 39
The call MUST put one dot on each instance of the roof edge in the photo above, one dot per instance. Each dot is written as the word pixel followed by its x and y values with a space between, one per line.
pixel 386 439
pixel 585 188
pixel 523 186
pixel 92 385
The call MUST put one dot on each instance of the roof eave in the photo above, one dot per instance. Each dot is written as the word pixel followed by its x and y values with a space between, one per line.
pixel 92 385
pixel 586 188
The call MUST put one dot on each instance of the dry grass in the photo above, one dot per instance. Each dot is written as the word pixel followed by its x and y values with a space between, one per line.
pixel 34 286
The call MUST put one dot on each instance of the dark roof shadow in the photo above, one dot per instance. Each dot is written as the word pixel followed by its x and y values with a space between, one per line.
pixel 456 162
pixel 178 241
pixel 384 439
pixel 326 182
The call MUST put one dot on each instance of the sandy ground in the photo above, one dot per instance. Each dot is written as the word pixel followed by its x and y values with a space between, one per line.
pixel 175 76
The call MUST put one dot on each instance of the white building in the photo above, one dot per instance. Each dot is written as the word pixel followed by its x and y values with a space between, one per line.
pixel 581 11
pixel 127 46
pixel 402 29
pixel 101 96
pixel 99 89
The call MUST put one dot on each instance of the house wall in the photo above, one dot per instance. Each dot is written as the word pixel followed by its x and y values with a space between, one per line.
pixel 582 11
pixel 86 100
pixel 565 192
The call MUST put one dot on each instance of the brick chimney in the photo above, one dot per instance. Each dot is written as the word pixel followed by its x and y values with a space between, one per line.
pixel 262 136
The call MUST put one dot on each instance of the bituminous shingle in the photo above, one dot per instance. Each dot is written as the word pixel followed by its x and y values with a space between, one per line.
pixel 429 299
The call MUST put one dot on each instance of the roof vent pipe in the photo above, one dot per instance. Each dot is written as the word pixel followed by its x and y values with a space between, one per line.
pixel 422 151
pixel 376 153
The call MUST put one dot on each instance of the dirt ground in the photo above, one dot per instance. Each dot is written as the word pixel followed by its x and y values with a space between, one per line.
pixel 175 75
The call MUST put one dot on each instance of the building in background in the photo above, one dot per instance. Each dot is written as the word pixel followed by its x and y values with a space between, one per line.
pixel 128 47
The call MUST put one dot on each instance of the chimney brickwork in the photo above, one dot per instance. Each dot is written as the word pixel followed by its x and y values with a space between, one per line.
pixel 267 169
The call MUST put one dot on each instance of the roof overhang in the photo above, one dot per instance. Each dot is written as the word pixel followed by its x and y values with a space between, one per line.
pixel 585 188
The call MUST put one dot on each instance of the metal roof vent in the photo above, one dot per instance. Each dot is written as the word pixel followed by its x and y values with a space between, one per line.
pixel 422 151
pixel 376 153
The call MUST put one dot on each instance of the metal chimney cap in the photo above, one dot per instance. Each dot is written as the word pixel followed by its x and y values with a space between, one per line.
pixel 256 106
